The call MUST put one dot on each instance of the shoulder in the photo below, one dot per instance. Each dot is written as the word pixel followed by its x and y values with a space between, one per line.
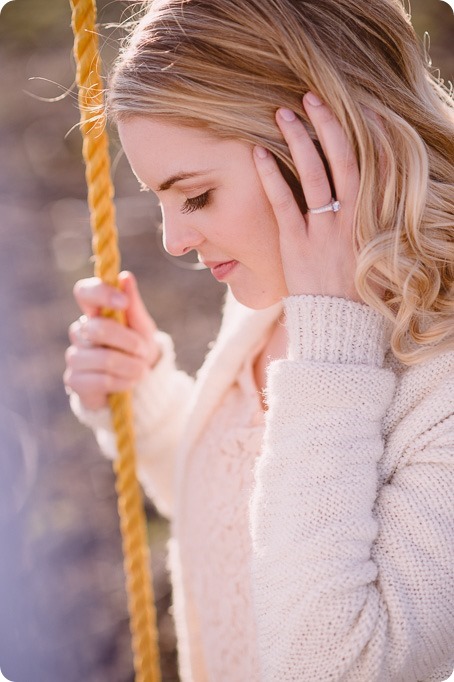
pixel 422 409
pixel 427 381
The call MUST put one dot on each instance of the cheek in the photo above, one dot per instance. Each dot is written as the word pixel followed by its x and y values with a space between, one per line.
pixel 264 220
pixel 252 214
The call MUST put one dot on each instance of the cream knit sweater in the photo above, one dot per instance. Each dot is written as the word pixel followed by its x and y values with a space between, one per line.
pixel 351 516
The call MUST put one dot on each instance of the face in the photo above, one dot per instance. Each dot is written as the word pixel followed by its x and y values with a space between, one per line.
pixel 212 201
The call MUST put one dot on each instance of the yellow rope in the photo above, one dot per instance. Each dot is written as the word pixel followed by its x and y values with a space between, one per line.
pixel 139 584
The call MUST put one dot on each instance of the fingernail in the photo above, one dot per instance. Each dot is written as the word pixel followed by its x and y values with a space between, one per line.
pixel 313 99
pixel 261 152
pixel 287 114
pixel 119 300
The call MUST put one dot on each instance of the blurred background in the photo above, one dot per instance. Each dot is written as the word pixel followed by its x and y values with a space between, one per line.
pixel 63 615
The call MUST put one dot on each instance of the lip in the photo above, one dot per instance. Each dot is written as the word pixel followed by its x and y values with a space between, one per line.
pixel 220 270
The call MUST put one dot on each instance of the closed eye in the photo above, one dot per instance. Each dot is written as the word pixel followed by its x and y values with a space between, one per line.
pixel 196 203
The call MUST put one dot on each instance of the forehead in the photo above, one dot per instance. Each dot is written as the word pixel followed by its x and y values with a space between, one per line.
pixel 149 127
pixel 139 133
pixel 157 149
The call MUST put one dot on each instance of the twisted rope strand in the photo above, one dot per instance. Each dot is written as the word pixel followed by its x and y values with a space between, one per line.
pixel 139 584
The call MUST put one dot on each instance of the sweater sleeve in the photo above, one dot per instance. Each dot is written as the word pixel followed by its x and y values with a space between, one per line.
pixel 343 577
pixel 160 403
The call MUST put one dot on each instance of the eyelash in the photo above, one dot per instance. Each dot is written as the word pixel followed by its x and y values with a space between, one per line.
pixel 196 203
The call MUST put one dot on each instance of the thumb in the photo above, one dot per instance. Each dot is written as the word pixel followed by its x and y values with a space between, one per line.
pixel 137 316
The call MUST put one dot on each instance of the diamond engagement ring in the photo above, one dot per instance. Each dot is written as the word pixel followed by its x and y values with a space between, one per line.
pixel 332 206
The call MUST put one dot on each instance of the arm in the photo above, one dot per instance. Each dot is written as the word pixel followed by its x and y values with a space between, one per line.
pixel 350 582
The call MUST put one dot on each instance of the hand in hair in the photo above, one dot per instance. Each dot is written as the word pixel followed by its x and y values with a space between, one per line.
pixel 106 357
pixel 317 250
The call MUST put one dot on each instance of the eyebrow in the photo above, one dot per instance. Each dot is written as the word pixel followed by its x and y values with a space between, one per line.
pixel 167 184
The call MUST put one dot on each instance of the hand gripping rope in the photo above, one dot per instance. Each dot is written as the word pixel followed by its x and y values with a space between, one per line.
pixel 139 584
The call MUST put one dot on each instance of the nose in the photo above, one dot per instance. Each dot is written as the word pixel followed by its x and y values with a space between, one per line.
pixel 179 236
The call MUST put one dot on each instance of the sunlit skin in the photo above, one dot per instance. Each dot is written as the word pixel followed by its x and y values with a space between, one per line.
pixel 249 216
pixel 231 221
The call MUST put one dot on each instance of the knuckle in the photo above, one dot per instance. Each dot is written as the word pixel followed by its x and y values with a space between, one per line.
pixel 68 377
pixel 109 361
pixel 316 178
pixel 299 133
pixel 325 114
pixel 137 345
pixel 97 334
pixel 69 355
pixel 79 288
pixel 88 290
pixel 284 201
pixel 270 170
pixel 105 361
pixel 72 331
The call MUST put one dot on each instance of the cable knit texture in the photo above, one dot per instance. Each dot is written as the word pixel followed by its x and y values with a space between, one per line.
pixel 339 506
pixel 335 330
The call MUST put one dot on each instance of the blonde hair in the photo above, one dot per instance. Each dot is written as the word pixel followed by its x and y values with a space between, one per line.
pixel 227 66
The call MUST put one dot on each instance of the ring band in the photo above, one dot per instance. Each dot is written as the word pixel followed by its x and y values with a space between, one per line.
pixel 332 206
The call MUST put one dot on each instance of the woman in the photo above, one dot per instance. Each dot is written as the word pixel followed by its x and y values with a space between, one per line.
pixel 306 154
